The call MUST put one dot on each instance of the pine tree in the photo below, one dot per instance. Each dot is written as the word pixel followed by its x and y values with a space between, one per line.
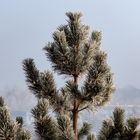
pixel 75 54
pixel 116 128
pixel 9 129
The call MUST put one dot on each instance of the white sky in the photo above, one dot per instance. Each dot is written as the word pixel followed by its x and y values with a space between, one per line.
pixel 26 26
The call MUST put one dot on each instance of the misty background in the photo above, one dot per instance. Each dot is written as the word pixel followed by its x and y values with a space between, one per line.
pixel 27 26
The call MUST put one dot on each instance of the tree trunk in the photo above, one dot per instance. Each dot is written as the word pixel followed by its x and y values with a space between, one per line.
pixel 75 113
pixel 75 122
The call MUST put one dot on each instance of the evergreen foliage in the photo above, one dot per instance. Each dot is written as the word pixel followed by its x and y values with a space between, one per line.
pixel 84 131
pixel 74 53
pixel 65 128
pixel 45 127
pixel 19 120
pixel 116 128
pixel 91 137
pixel 1 102
pixel 9 129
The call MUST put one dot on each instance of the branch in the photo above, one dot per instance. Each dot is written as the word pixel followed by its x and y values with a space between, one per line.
pixel 83 108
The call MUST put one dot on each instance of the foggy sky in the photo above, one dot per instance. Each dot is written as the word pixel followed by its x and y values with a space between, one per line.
pixel 26 27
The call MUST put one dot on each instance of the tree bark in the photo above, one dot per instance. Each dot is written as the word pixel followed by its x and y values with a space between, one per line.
pixel 76 106
pixel 75 114
pixel 75 121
